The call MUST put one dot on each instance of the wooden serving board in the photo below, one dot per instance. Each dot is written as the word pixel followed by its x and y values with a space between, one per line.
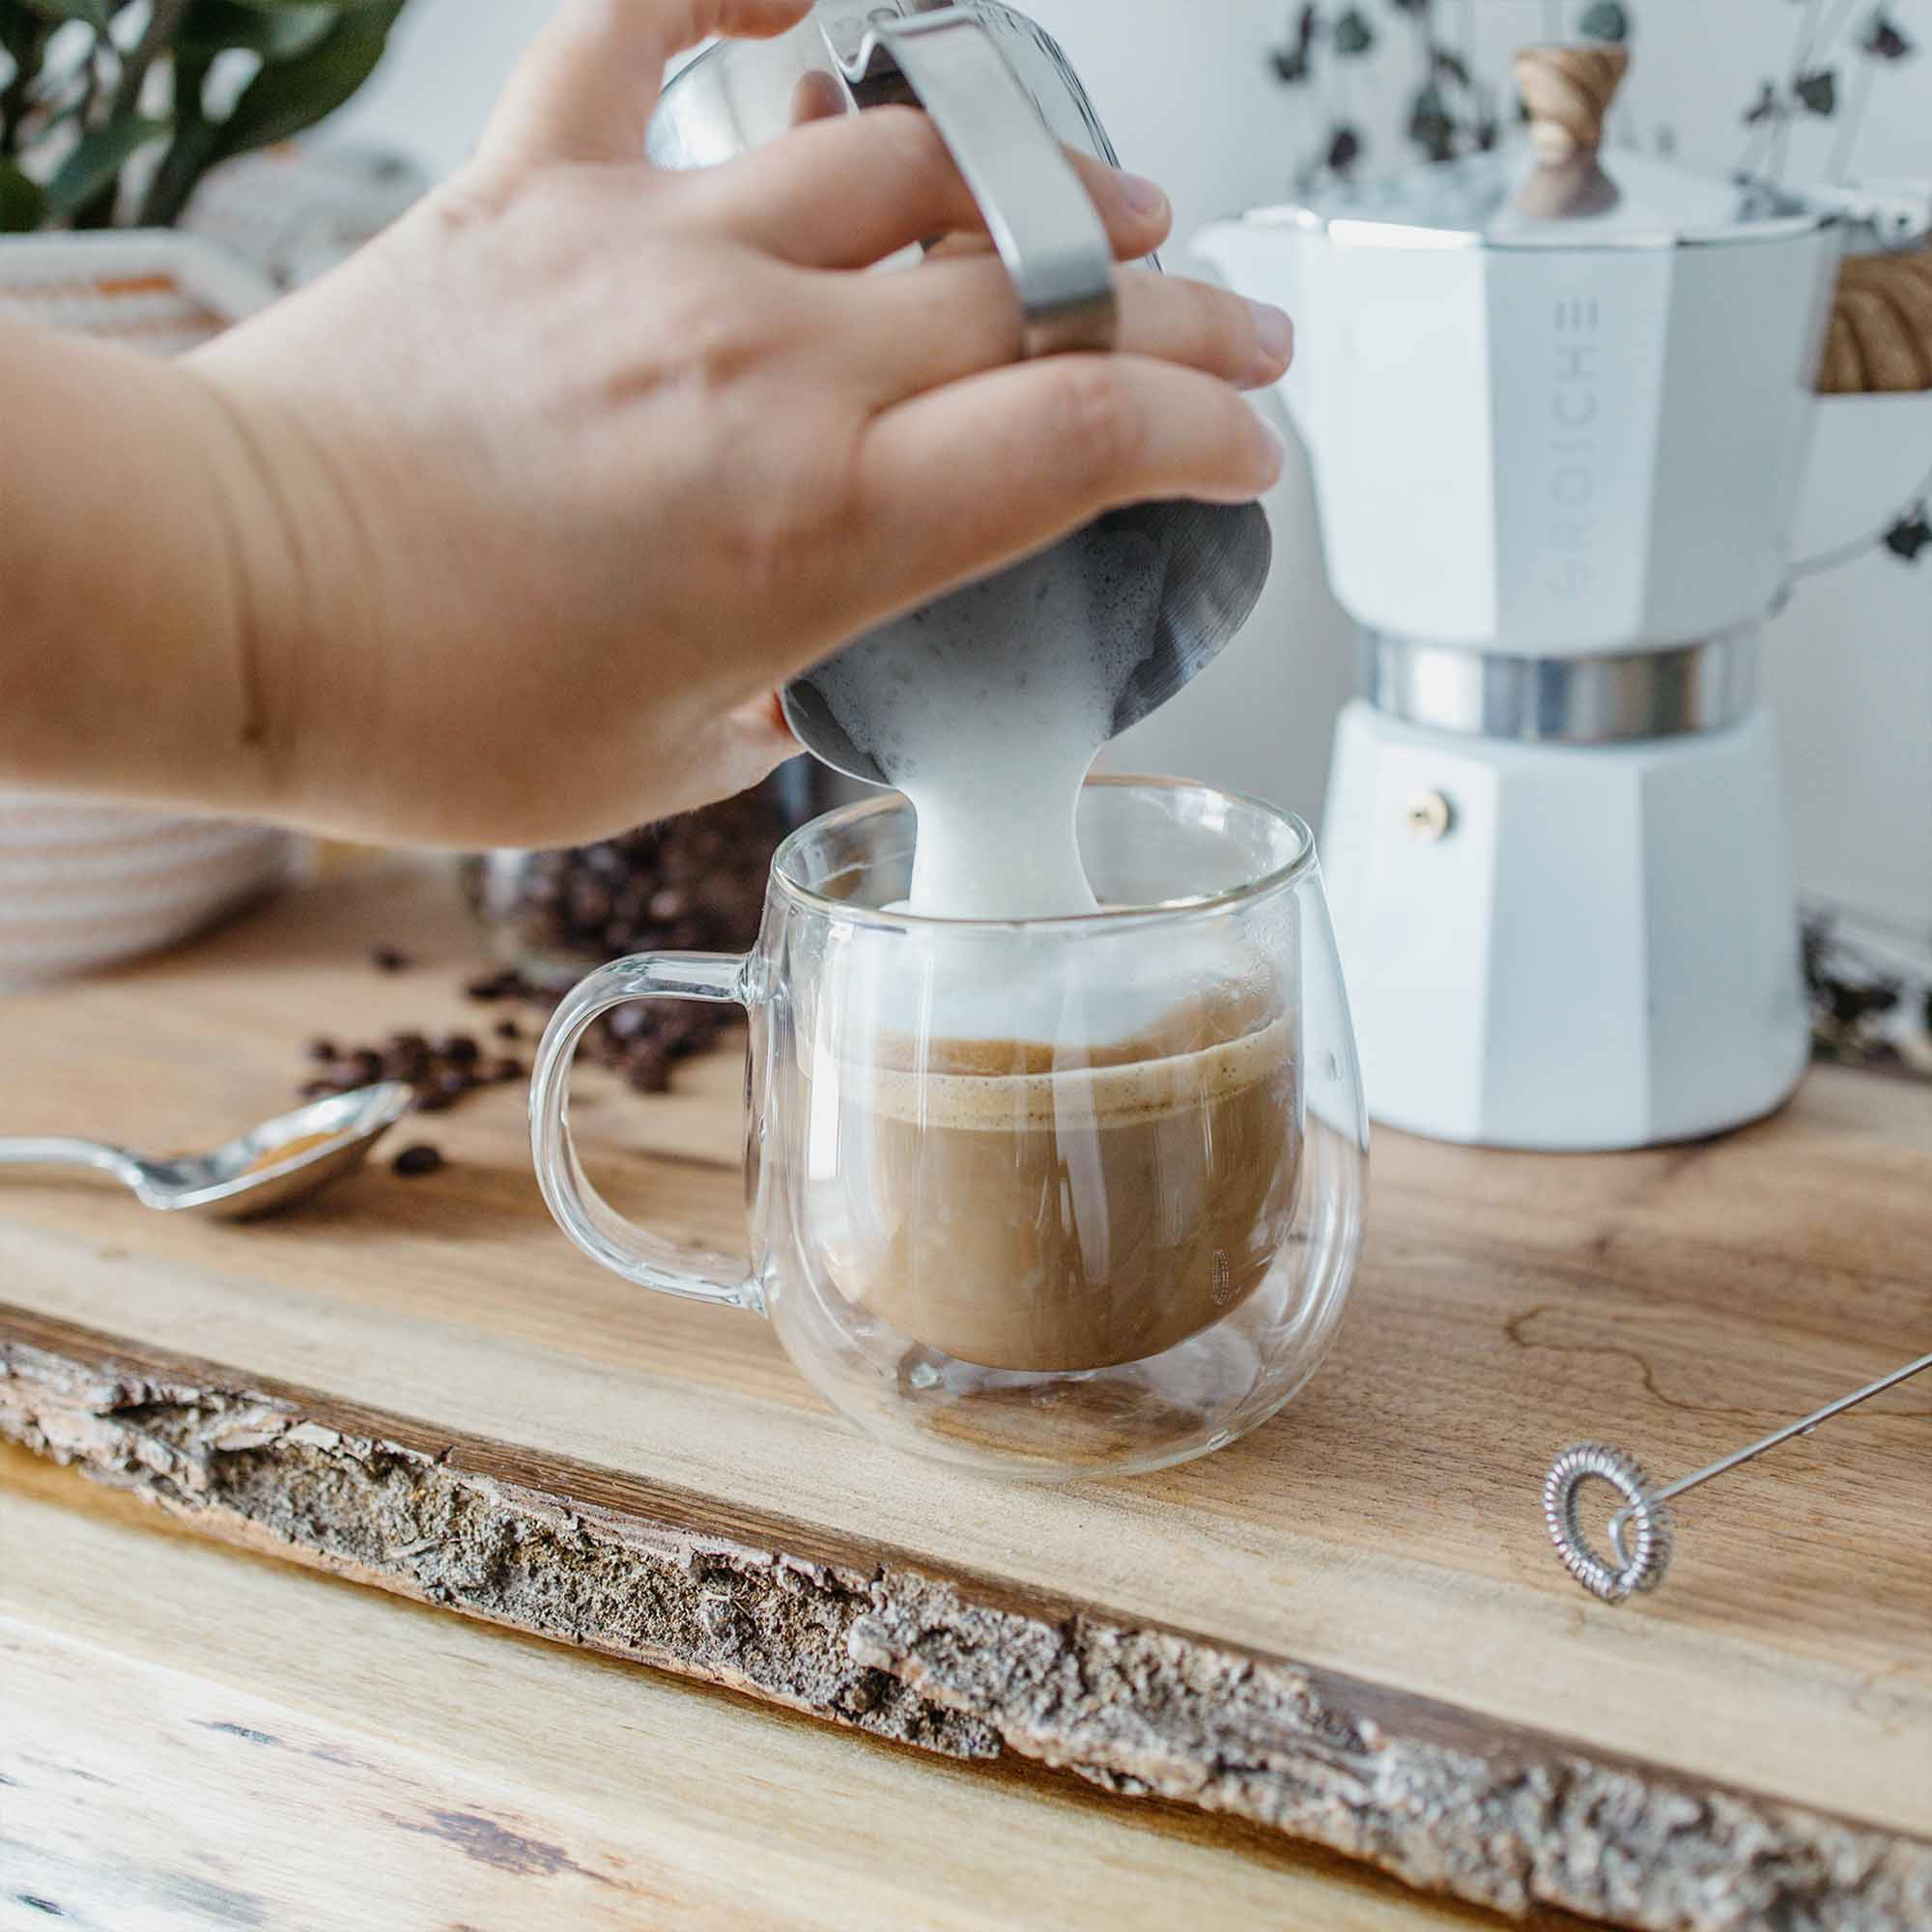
pixel 1349 1629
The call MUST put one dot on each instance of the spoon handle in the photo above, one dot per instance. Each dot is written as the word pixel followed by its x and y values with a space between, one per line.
pixel 62 1151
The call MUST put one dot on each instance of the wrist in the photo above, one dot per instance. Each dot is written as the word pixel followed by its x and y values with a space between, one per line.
pixel 294 500
pixel 250 490
pixel 120 623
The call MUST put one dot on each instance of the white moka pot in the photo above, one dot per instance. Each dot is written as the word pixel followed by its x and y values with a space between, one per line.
pixel 1558 415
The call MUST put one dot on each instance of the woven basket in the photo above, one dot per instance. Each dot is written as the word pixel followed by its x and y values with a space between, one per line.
pixel 83 886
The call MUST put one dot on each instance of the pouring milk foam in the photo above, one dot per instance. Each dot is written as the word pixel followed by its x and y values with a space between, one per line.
pixel 987 709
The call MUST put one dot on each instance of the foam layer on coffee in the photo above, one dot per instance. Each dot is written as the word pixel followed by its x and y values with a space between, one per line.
pixel 1108 1095
pixel 1003 1032
pixel 1115 994
pixel 986 708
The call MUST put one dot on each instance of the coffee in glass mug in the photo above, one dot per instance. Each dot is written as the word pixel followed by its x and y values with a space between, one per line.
pixel 1046 1196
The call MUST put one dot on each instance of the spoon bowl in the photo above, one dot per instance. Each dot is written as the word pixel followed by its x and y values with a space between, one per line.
pixel 269 1167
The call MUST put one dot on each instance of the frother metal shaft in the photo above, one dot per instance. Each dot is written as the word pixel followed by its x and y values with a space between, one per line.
pixel 1640 1532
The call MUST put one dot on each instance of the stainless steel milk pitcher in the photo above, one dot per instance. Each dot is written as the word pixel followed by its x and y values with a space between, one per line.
pixel 1004 100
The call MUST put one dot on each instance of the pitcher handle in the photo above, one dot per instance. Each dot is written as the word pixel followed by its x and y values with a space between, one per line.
pixel 1041 217
pixel 581 1211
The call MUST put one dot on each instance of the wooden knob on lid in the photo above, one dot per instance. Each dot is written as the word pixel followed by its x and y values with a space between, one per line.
pixel 1568 91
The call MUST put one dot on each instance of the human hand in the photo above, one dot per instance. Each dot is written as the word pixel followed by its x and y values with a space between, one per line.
pixel 537 498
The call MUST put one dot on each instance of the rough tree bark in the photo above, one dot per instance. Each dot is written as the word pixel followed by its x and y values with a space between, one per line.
pixel 1496 1814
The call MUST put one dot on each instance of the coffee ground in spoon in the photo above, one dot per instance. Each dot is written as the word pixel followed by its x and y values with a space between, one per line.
pixel 288 1150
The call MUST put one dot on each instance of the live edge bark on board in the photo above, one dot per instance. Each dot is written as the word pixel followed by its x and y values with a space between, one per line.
pixel 1494 1814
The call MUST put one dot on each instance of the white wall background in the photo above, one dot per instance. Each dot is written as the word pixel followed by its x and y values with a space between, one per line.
pixel 1184 88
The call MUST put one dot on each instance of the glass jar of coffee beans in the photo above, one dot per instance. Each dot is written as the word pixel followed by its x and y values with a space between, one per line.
pixel 695 882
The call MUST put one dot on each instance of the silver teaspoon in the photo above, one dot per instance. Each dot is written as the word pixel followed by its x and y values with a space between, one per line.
pixel 269 1167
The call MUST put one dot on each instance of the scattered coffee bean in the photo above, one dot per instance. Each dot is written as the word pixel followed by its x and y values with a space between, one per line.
pixel 691 883
pixel 648 1069
pixel 440 1073
pixel 641 1042
pixel 421 1158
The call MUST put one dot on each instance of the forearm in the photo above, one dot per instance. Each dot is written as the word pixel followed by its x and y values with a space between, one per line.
pixel 125 651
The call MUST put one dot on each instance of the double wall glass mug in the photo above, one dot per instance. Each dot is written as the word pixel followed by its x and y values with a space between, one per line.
pixel 1049 1197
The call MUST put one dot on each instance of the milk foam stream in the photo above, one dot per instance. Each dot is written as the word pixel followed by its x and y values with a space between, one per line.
pixel 995 827
pixel 986 708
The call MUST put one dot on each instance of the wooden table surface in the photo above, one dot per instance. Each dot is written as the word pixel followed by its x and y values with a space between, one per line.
pixel 1348 1630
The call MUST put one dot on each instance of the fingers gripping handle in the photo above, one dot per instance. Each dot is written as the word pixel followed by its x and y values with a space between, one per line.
pixel 581 1212
pixel 1040 215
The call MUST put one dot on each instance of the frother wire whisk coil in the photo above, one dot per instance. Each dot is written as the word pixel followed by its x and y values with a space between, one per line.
pixel 1640 1531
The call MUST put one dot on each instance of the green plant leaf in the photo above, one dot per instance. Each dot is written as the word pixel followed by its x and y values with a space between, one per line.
pixel 189 151
pixel 94 165
pixel 19 29
pixel 96 13
pixel 23 201
pixel 277 32
pixel 1607 20
pixel 289 96
pixel 188 157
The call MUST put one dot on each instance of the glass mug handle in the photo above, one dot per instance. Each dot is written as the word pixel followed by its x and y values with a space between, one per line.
pixel 581 1212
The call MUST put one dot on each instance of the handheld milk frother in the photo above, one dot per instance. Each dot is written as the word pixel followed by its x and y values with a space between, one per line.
pixel 1640 1532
